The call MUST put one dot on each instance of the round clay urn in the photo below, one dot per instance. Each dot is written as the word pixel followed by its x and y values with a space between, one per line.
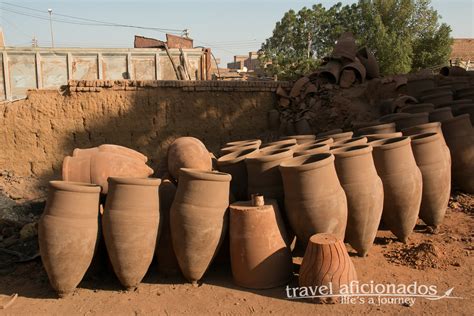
pixel 234 164
pixel 459 135
pixel 301 139
pixel 310 149
pixel 377 129
pixel 361 140
pixel 130 225
pixel 417 108
pixel 244 142
pixel 77 169
pixel 67 232
pixel 411 120
pixel 402 183
pixel 188 152
pixel 436 173
pixel 438 97
pixel 199 219
pixel 440 114
pixel 288 141
pixel 364 192
pixel 372 137
pixel 416 86
pixel 324 140
pixel 315 201
pixel 260 257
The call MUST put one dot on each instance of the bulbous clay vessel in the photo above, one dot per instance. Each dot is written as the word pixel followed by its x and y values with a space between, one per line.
pixel 440 114
pixel 331 132
pixel 199 219
pixel 234 164
pixel 244 142
pixel 434 127
pixel 107 164
pixel 377 129
pixel 326 262
pixel 260 258
pixel 187 152
pixel 438 97
pixel 130 225
pixel 459 136
pixel 364 192
pixel 315 201
pixel 349 142
pixel 372 137
pixel 67 232
pixel 311 149
pixel 411 120
pixel 123 151
pixel 436 172
pixel 402 183
pixel 345 47
pixel 77 169
pixel 164 252
pixel 301 139
pixel 417 108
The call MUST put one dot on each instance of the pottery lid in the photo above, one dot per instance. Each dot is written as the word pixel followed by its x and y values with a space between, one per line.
pixel 204 175
pixel 75 186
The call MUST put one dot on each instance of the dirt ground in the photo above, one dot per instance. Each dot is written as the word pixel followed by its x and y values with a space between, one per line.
pixel 442 258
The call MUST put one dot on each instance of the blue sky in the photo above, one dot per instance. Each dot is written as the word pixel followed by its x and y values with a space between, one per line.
pixel 229 27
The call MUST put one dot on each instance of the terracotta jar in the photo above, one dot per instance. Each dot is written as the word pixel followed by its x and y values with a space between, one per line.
pixel 231 149
pixel 364 192
pixel 199 219
pixel 310 149
pixel 301 139
pixel 326 263
pixel 77 169
pixel 87 152
pixel 277 147
pixel 433 127
pixel 330 71
pixel 130 225
pixel 349 142
pixel 416 86
pixel 164 252
pixel 467 109
pixel 411 120
pixel 402 183
pixel 372 137
pixel 324 140
pixel 287 141
pixel 234 164
pixel 187 152
pixel 459 135
pixel 315 201
pixel 377 129
pixel 438 97
pixel 389 118
pixel 107 164
pixel 440 114
pixel 369 61
pixel 327 133
pixel 123 151
pixel 340 136
pixel 436 172
pixel 417 108
pixel 244 142
pixel 260 258
pixel 67 233
pixel 454 102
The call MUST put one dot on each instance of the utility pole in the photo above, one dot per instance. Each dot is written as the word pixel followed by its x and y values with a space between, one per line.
pixel 34 42
pixel 50 11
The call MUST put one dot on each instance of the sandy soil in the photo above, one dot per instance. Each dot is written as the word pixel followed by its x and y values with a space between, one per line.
pixel 442 258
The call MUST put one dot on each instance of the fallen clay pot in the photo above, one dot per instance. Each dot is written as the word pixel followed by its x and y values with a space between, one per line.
pixel 187 152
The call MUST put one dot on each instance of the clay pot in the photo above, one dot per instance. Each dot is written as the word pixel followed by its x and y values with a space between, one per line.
pixel 438 97
pixel 123 151
pixel 67 232
pixel 107 164
pixel 434 127
pixel 87 152
pixel 199 219
pixel 326 263
pixel 234 164
pixel 417 108
pixel 364 192
pixel 280 146
pixel 455 108
pixel 231 149
pixel 244 142
pixel 467 109
pixel 436 173
pixel 341 136
pixel 303 127
pixel 416 86
pixel 300 139
pixel 377 129
pixel 402 183
pixel 358 69
pixel 440 114
pixel 459 136
pixel 453 71
pixel 372 137
pixel 187 152
pixel 324 140
pixel 444 88
pixel 330 71
pixel 330 132
pixel 394 105
pixel 315 201
pixel 298 86
pixel 369 61
pixel 345 47
pixel 310 149
pixel 130 224
pixel 462 93
pixel 273 117
pixel 411 120
pixel 164 252
pixel 289 140
pixel 77 169
pixel 453 103
pixel 260 258
pixel 349 142
pixel 389 118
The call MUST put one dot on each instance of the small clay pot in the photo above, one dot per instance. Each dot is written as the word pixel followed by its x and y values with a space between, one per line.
pixel 369 61
pixel 411 120
pixel 199 219
pixel 358 69
pixel 123 151
pixel 130 225
pixel 330 132
pixel 372 137
pixel 402 183
pixel 364 191
pixel 415 87
pixel 393 105
pixel 234 164
pixel 441 114
pixel 77 169
pixel 436 173
pixel 330 71
pixel 301 139
pixel 260 258
pixel 187 152
pixel 438 97
pixel 377 129
pixel 310 149
pixel 389 118
pixel 345 48
pixel 417 108
pixel 315 201
pixel 67 233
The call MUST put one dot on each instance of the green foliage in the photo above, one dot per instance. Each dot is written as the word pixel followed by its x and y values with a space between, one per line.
pixel 405 35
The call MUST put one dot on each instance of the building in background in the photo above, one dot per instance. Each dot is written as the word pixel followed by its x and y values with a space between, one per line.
pixel 462 53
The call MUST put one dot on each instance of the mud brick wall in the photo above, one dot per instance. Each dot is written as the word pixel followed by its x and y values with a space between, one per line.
pixel 36 133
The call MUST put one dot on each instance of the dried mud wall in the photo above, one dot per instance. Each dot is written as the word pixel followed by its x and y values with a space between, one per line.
pixel 36 133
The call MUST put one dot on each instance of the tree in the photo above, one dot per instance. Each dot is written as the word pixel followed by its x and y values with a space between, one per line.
pixel 405 35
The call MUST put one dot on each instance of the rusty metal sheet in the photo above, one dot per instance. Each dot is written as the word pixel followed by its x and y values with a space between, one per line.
pixel 53 70
pixel 22 68
pixel 84 67
pixel 143 67
pixel 174 41
pixel 114 67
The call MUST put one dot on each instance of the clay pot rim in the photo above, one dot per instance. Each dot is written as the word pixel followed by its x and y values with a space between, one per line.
pixel 67 161
pixel 377 126
pixel 427 125
pixel 340 135
pixel 456 119
pixel 324 139
pixel 417 105
pixel 329 133
pixel 296 137
pixel 313 151
pixel 436 95
pixel 205 174
pixel 390 143
pixel 230 149
pixel 392 117
pixel 243 142
pixel 351 151
pixel 236 156
pixel 299 163
pixel 280 146
pixel 75 186
pixel 423 138
pixel 283 141
pixel 383 136
pixel 270 155
pixel 134 181
pixel 454 102
pixel 76 151
pixel 350 140
pixel 307 146
pixel 323 239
